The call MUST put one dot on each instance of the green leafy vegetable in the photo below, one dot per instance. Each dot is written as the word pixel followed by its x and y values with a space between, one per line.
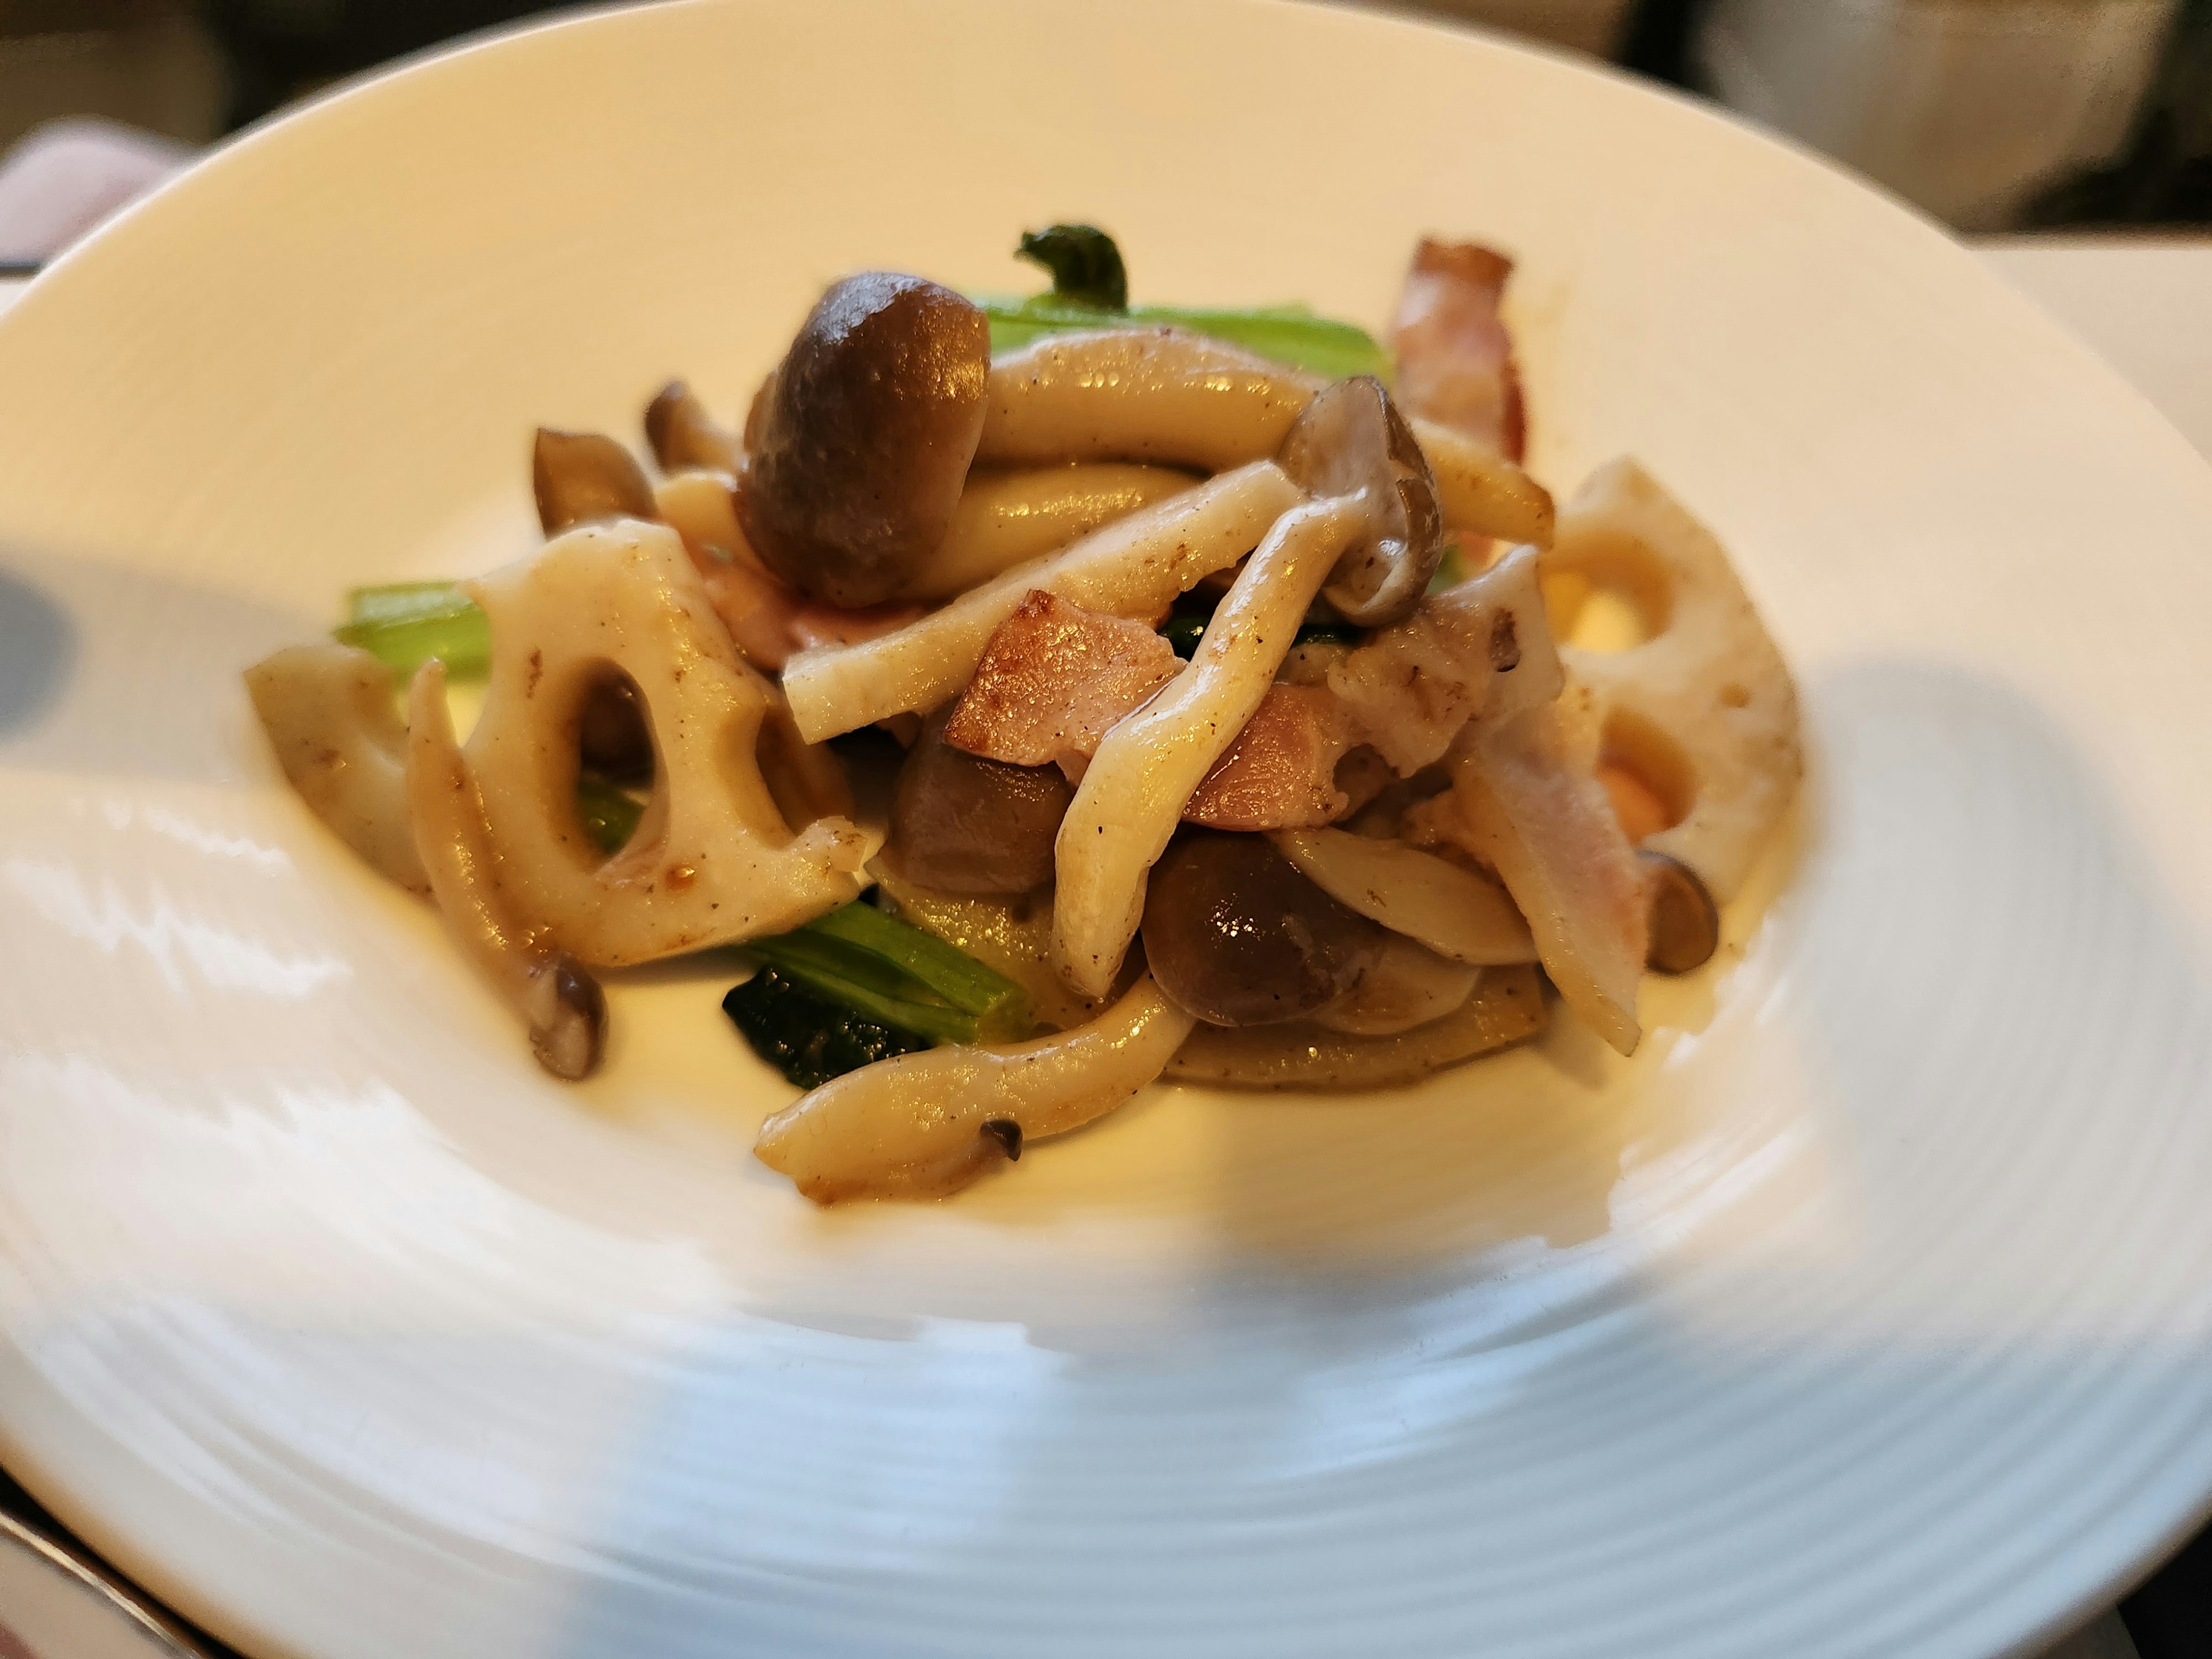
pixel 1451 569
pixel 610 813
pixel 1185 626
pixel 807 1035
pixel 406 624
pixel 1090 289
pixel 1284 334
pixel 866 966
pixel 1000 1007
pixel 1085 265
pixel 1182 631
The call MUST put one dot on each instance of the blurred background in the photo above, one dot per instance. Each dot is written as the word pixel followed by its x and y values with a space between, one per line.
pixel 1994 115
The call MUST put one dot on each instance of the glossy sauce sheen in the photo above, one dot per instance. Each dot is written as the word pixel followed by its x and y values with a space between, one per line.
pixel 1238 937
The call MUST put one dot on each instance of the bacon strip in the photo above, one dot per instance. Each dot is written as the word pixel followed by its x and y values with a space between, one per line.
pixel 1455 358
pixel 1056 678
pixel 1280 774
pixel 1053 679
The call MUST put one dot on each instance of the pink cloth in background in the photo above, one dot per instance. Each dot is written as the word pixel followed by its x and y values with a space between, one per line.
pixel 61 179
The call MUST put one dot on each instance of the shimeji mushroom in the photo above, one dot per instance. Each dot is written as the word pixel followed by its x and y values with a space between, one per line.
pixel 582 478
pixel 1134 790
pixel 329 713
pixel 561 1006
pixel 1165 395
pixel 927 1124
pixel 1134 567
pixel 1236 936
pixel 1350 439
pixel 864 437
pixel 683 436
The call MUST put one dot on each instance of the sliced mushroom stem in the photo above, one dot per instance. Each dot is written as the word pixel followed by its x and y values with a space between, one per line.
pixel 328 711
pixel 1482 492
pixel 581 476
pixel 1685 923
pixel 1133 567
pixel 1134 791
pixel 927 1124
pixel 682 435
pixel 560 1004
pixel 1535 816
pixel 1139 394
pixel 1454 912
pixel 1507 1006
pixel 1163 395
pixel 1008 516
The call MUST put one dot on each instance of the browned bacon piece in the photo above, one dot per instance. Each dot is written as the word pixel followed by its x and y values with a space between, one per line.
pixel 768 621
pixel 1280 774
pixel 1455 358
pixel 1053 678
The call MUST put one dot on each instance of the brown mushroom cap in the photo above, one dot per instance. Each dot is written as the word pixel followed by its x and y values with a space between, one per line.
pixel 578 477
pixel 1352 437
pixel 963 824
pixel 1686 924
pixel 681 433
pixel 1236 935
pixel 859 452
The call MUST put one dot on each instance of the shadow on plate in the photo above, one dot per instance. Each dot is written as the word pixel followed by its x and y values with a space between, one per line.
pixel 107 670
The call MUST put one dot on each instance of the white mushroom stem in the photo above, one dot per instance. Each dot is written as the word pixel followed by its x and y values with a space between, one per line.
pixel 1134 793
pixel 328 711
pixel 1534 814
pixel 1139 394
pixel 1133 567
pixel 560 1002
pixel 1482 492
pixel 914 1127
pixel 1164 395
pixel 1008 517
pixel 1454 912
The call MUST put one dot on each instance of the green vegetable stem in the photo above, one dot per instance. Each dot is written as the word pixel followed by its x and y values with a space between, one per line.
pixel 864 972
pixel 404 624
pixel 1090 289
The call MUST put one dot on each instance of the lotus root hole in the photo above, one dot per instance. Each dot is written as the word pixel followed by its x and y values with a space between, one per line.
pixel 611 734
pixel 1606 593
pixel 1646 775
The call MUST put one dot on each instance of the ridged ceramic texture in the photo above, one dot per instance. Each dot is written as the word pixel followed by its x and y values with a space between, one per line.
pixel 1867 1311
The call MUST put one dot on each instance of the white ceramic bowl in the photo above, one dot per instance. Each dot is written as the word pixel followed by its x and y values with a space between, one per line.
pixel 1867 1311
